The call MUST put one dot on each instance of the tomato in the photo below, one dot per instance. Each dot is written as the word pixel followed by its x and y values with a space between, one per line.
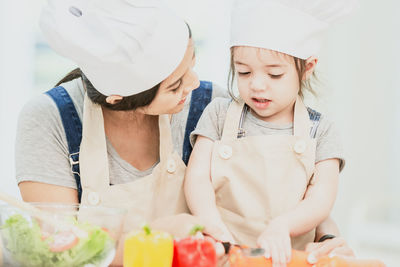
pixel 63 241
pixel 44 236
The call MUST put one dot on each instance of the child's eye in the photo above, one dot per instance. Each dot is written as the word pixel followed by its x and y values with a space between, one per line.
pixel 275 76
pixel 243 73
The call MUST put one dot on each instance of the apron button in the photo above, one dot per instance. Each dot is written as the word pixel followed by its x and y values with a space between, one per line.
pixel 93 198
pixel 300 147
pixel 171 166
pixel 225 152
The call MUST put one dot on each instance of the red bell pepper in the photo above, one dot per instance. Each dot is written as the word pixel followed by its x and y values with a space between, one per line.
pixel 194 251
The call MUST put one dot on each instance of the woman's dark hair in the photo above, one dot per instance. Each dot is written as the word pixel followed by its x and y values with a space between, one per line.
pixel 127 103
pixel 300 65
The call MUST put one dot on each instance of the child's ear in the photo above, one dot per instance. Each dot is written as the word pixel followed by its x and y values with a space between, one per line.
pixel 311 63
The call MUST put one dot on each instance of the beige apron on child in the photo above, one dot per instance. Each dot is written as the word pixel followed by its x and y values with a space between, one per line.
pixel 257 178
pixel 156 195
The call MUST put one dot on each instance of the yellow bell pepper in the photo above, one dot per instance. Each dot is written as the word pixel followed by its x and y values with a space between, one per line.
pixel 148 248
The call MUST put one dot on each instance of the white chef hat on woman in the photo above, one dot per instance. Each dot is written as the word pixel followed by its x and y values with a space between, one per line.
pixel 293 27
pixel 124 47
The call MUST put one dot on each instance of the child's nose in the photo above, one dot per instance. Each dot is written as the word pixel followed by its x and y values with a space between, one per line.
pixel 258 84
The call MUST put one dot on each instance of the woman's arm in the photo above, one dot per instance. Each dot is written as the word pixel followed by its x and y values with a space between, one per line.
pixel 198 187
pixel 327 227
pixel 334 246
pixel 42 166
pixel 41 192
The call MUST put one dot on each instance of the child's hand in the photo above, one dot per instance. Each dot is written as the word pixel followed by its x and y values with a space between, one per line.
pixel 276 241
pixel 217 230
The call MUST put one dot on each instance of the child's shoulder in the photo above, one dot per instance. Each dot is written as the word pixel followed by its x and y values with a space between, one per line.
pixel 219 91
pixel 222 101
pixel 219 105
pixel 323 124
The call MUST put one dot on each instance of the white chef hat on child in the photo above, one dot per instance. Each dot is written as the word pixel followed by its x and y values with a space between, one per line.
pixel 124 47
pixel 292 27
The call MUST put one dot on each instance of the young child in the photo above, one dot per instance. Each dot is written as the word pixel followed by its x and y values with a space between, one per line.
pixel 265 167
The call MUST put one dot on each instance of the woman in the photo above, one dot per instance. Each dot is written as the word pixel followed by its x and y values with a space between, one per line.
pixel 135 63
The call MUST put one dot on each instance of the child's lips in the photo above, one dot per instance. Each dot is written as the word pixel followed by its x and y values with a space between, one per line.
pixel 261 103
pixel 260 99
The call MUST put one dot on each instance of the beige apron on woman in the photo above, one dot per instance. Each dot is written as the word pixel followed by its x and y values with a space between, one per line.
pixel 257 178
pixel 156 195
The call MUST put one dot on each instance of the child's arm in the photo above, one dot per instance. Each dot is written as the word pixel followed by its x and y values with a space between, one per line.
pixel 309 213
pixel 318 201
pixel 199 190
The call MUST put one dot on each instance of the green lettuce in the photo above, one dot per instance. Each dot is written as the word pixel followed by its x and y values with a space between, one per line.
pixel 23 241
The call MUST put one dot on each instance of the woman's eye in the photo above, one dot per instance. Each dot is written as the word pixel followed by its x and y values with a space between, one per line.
pixel 275 76
pixel 175 89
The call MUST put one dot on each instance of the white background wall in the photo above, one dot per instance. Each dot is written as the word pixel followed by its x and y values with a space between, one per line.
pixel 360 72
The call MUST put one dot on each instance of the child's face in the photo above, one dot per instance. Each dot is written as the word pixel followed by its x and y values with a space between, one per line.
pixel 267 81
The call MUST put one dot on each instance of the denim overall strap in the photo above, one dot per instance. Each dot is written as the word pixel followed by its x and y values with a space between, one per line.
pixel 199 100
pixel 72 127
pixel 315 116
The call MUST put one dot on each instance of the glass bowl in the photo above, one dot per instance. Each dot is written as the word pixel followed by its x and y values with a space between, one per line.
pixel 69 235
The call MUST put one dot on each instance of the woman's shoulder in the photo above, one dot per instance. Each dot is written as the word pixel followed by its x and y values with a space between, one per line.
pixel 41 141
pixel 42 105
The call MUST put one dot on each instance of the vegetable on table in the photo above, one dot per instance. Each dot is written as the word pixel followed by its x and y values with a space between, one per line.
pixel 63 241
pixel 299 259
pixel 147 248
pixel 29 246
pixel 348 262
pixel 237 259
pixel 194 251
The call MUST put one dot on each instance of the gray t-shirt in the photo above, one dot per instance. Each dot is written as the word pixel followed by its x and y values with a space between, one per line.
pixel 211 125
pixel 41 153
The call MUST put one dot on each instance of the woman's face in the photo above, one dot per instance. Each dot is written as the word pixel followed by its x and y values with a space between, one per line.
pixel 171 95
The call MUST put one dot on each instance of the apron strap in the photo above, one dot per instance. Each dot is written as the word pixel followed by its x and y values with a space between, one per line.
pixel 166 146
pixel 93 152
pixel 232 120
pixel 302 124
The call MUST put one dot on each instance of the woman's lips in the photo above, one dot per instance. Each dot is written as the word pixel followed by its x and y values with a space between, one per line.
pixel 182 101
pixel 261 103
